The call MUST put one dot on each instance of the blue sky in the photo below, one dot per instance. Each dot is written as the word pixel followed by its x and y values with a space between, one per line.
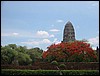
pixel 41 23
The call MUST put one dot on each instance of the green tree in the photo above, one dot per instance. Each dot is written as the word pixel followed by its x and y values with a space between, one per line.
pixel 12 46
pixel 22 49
pixel 7 55
pixel 35 54
pixel 24 59
pixel 19 55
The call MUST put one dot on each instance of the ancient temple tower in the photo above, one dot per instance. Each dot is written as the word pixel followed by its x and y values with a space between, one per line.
pixel 69 33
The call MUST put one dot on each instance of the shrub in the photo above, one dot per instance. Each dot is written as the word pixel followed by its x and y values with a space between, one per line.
pixel 62 65
pixel 48 72
pixel 80 72
pixel 77 51
pixel 54 62
pixel 49 66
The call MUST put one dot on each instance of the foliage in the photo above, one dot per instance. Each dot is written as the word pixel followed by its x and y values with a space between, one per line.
pixel 48 72
pixel 12 46
pixel 35 54
pixel 7 55
pixel 62 65
pixel 24 59
pixel 78 51
pixel 49 66
pixel 54 62
pixel 19 55
pixel 80 72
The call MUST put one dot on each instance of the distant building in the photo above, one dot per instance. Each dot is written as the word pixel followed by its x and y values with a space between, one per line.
pixel 69 33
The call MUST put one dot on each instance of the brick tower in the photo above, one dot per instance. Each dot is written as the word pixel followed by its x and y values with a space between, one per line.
pixel 69 33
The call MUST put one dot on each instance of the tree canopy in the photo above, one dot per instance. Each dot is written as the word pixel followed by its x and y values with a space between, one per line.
pixel 77 51
pixel 19 55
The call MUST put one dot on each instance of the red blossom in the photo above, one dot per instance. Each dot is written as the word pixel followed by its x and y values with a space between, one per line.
pixel 66 50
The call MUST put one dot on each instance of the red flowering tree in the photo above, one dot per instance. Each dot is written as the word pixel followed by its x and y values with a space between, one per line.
pixel 77 51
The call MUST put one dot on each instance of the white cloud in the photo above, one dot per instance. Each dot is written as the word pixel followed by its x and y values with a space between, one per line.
pixel 60 21
pixel 94 41
pixel 15 34
pixel 31 42
pixel 10 34
pixel 42 33
pixel 52 35
pixel 54 30
pixel 44 41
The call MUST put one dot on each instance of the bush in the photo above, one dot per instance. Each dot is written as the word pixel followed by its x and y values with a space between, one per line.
pixel 62 65
pixel 24 59
pixel 29 72
pixel 54 62
pixel 48 72
pixel 80 72
pixel 76 51
pixel 49 66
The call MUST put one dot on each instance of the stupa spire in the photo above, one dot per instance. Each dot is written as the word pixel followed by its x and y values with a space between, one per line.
pixel 69 33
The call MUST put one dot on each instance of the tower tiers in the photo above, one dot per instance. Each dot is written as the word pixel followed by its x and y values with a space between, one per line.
pixel 69 33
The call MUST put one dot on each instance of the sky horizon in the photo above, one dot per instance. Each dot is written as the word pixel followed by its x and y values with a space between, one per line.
pixel 41 23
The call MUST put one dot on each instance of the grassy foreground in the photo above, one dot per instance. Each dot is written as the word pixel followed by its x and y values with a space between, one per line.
pixel 48 72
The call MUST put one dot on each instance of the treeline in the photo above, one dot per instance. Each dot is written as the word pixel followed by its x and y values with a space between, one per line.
pixel 20 55
pixel 77 51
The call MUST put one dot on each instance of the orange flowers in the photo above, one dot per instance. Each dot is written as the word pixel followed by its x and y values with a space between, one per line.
pixel 66 51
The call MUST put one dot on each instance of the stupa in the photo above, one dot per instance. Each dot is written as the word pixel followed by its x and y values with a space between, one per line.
pixel 69 33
